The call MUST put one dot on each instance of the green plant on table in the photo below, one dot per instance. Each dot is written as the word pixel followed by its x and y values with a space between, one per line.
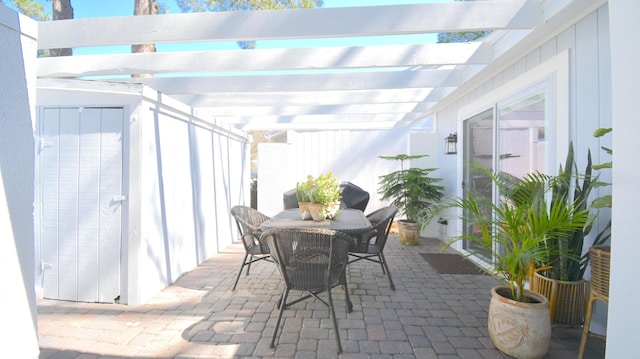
pixel 304 192
pixel 326 189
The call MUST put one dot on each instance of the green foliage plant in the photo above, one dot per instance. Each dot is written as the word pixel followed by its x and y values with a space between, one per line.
pixel 303 190
pixel 566 259
pixel 324 189
pixel 412 190
pixel 606 200
pixel 516 228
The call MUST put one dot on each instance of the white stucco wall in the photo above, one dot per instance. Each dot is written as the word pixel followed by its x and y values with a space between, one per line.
pixel 18 302
pixel 624 291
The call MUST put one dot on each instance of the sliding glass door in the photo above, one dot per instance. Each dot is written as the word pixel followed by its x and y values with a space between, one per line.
pixel 478 146
pixel 510 137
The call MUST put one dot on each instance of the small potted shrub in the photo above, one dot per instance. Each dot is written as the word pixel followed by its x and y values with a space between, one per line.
pixel 414 192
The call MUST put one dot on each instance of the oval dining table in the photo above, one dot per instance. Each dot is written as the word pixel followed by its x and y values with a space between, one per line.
pixel 349 221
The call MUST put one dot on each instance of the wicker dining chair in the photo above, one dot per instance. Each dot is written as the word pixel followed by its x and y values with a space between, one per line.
pixel 248 221
pixel 311 261
pixel 600 257
pixel 381 220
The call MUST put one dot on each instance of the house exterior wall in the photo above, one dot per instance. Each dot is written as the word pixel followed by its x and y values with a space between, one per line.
pixel 589 83
pixel 17 98
pixel 181 177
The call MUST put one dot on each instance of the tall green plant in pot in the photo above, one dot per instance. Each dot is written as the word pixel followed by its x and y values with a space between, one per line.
pixel 514 229
pixel 562 281
pixel 413 191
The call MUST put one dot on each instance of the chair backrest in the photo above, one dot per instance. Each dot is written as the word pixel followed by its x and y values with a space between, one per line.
pixel 381 220
pixel 248 221
pixel 309 259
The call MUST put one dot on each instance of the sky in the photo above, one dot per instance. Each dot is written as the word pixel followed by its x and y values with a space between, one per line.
pixel 90 8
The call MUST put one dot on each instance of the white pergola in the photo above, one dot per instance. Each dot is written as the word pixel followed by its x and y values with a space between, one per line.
pixel 358 87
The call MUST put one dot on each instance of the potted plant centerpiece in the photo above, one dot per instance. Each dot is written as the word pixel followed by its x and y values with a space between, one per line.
pixel 513 229
pixel 323 195
pixel 414 192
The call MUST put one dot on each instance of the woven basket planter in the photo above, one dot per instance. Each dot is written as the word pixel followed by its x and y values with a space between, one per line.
pixel 567 299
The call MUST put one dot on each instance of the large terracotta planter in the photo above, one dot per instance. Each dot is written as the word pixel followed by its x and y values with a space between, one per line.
pixel 566 298
pixel 409 232
pixel 519 329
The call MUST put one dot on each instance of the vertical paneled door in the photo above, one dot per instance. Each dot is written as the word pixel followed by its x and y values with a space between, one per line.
pixel 80 196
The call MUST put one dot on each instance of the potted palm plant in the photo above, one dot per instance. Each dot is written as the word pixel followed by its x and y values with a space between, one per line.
pixel 414 192
pixel 513 229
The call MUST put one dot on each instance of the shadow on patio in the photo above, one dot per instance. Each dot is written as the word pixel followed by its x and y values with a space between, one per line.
pixel 430 315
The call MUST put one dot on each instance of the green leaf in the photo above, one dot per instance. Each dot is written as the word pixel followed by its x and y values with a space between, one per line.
pixel 602 131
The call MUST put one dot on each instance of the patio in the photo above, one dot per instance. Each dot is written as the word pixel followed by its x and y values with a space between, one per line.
pixel 430 315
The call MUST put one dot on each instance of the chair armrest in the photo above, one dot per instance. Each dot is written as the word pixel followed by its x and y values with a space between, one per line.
pixel 362 241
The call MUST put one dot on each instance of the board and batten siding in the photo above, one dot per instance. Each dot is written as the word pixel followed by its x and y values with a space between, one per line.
pixel 587 43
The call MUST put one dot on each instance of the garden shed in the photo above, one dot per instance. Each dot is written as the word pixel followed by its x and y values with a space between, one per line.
pixel 129 186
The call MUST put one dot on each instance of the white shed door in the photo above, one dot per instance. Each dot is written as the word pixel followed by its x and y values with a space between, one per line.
pixel 80 199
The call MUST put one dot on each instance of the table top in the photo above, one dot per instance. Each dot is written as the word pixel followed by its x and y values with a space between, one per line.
pixel 349 221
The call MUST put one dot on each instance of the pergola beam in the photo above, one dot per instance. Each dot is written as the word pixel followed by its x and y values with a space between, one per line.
pixel 265 60
pixel 291 24
pixel 283 110
pixel 304 98
pixel 303 82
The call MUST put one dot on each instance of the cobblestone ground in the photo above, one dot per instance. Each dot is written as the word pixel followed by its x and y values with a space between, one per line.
pixel 429 315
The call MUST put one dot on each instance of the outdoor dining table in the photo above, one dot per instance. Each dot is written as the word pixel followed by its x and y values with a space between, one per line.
pixel 349 221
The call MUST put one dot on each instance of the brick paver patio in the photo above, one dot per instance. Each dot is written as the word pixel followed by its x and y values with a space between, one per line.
pixel 429 315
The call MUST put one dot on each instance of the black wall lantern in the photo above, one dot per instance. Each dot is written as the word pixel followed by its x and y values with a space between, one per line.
pixel 450 144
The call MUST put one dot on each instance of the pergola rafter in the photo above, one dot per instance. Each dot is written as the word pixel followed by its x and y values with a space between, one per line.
pixel 289 86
